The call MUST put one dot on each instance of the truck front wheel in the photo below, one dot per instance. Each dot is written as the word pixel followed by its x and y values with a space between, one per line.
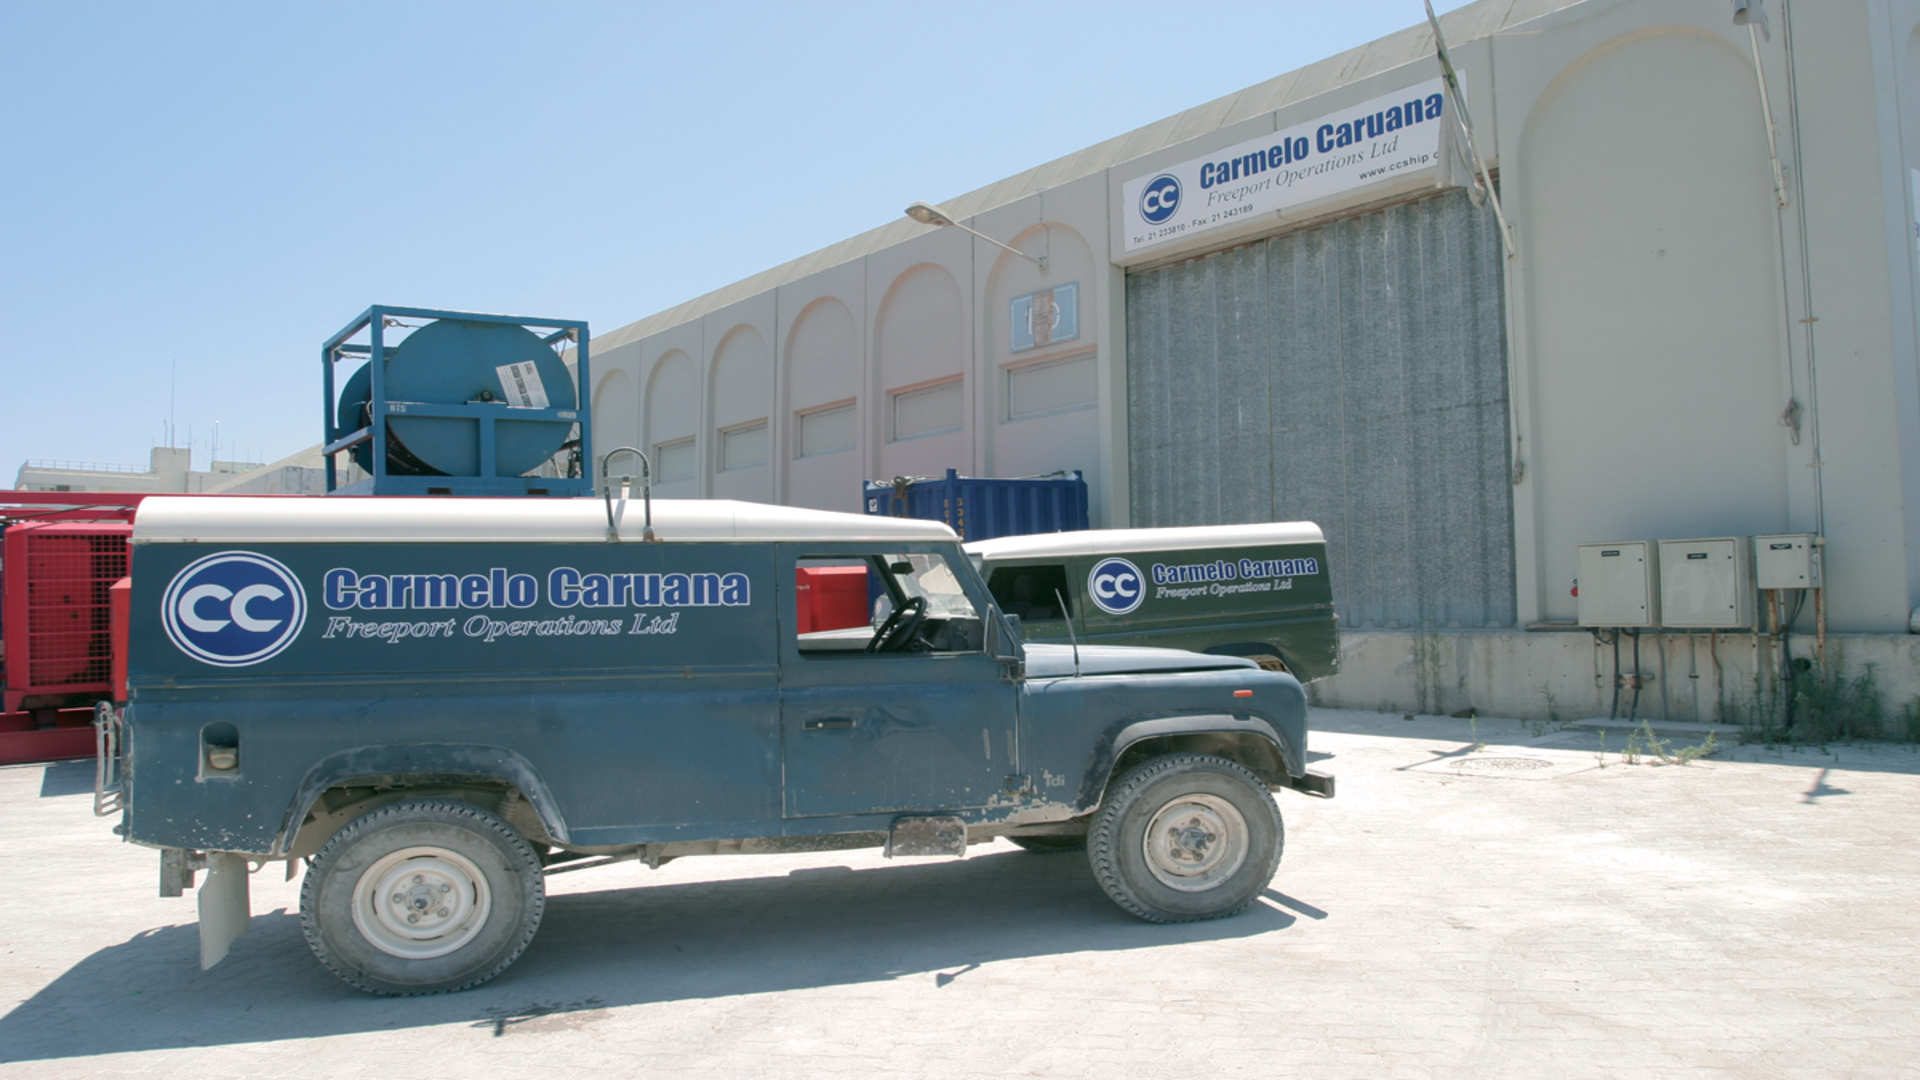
pixel 422 897
pixel 1185 837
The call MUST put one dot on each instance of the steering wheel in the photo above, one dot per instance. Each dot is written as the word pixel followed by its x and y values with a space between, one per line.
pixel 898 630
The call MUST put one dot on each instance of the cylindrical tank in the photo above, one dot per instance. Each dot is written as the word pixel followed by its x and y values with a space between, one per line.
pixel 450 362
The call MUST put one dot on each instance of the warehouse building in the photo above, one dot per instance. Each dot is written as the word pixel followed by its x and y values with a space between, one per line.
pixel 1689 312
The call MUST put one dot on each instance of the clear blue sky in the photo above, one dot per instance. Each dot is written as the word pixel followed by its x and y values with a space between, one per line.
pixel 223 185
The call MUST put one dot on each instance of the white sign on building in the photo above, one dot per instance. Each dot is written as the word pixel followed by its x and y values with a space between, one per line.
pixel 1380 139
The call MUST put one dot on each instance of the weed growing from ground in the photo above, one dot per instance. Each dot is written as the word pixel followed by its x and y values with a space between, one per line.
pixel 1822 704
pixel 1553 704
pixel 1687 754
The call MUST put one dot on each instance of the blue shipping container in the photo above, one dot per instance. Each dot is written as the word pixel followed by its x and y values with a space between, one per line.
pixel 983 508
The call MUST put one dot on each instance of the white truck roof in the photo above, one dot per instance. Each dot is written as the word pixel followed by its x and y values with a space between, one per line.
pixel 366 519
pixel 1112 541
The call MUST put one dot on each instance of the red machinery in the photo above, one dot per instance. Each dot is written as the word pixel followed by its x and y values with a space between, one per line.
pixel 63 639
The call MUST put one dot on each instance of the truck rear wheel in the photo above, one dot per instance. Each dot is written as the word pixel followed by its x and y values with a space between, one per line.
pixel 422 897
pixel 1186 837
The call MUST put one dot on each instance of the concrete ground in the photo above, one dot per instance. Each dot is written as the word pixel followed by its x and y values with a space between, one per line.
pixel 1534 908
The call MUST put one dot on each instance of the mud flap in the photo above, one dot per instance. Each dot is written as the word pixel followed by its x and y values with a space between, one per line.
pixel 225 908
pixel 927 836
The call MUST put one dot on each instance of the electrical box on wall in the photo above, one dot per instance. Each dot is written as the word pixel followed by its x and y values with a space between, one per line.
pixel 1787 561
pixel 1707 584
pixel 1619 584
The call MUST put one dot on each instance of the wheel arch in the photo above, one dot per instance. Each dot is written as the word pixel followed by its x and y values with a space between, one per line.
pixel 1251 649
pixel 1248 741
pixel 421 765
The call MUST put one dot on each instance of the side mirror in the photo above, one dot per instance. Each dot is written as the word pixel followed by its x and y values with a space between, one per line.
pixel 1003 641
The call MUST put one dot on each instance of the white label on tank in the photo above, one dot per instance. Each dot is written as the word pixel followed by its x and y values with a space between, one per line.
pixel 522 385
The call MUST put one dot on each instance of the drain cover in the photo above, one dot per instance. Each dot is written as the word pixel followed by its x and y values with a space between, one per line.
pixel 1501 764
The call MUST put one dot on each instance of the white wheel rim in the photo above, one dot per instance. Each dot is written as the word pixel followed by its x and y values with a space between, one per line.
pixel 421 902
pixel 1195 842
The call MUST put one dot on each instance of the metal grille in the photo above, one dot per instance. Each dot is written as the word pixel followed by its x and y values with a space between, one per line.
pixel 68 621
pixel 1352 374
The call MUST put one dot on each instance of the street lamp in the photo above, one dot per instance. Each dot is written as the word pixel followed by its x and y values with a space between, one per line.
pixel 928 214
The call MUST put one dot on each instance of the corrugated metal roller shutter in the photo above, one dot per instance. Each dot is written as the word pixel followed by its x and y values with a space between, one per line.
pixel 1351 374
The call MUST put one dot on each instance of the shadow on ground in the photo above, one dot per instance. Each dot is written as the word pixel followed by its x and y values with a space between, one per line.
pixel 820 926
pixel 1500 734
pixel 67 778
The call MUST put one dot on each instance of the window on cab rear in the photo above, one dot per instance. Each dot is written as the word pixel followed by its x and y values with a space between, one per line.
pixel 1035 593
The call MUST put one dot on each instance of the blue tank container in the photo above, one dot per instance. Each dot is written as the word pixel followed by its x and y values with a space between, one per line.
pixel 982 508
pixel 458 403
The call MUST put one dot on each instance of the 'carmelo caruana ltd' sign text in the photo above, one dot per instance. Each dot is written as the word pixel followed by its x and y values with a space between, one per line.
pixel 1386 137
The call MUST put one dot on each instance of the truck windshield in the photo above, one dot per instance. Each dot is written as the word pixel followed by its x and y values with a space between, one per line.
pixel 930 577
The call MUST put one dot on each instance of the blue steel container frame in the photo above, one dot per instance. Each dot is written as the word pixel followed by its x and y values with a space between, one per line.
pixel 485 415
pixel 983 508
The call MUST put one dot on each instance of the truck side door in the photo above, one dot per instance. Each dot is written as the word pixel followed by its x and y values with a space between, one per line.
pixel 921 720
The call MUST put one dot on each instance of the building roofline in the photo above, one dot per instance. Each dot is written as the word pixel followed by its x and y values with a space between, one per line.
pixel 1475 21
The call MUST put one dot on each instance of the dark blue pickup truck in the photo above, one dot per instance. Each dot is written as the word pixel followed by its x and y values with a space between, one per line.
pixel 434 703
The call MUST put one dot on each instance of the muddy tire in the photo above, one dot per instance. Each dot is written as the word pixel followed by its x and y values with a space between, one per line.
pixel 1050 845
pixel 422 897
pixel 1185 837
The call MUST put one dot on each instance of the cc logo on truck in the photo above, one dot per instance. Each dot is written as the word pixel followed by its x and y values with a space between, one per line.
pixel 233 609
pixel 1116 586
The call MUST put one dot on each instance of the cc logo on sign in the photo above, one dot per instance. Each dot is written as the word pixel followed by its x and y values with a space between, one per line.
pixel 1160 199
pixel 233 609
pixel 1116 586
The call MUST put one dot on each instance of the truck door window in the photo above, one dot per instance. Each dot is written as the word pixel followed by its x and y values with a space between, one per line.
pixel 935 614
pixel 1032 592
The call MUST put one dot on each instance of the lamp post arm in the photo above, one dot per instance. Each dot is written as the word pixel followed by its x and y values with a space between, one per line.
pixel 1039 261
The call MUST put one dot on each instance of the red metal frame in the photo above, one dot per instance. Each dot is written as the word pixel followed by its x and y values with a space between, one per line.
pixel 72 735
pixel 22 740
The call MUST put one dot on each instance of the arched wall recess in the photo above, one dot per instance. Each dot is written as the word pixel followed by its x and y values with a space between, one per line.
pixel 823 365
pixel 740 449
pixel 922 415
pixel 1653 301
pixel 1042 384
pixel 672 423
pixel 616 413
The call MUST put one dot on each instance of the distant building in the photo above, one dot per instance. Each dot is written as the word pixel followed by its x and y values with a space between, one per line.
pixel 169 470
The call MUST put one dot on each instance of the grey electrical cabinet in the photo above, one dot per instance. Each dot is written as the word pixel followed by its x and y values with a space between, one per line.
pixel 1707 584
pixel 1619 584
pixel 1787 561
